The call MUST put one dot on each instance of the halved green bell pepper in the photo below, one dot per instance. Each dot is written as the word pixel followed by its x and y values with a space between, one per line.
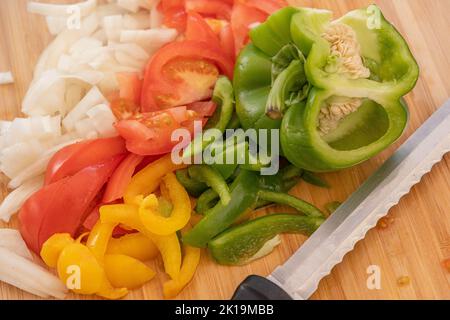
pixel 393 69
pixel 357 90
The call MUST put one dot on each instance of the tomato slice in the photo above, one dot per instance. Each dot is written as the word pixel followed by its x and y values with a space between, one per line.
pixel 216 25
pixel 198 29
pixel 213 8
pixel 124 108
pixel 174 14
pixel 181 73
pixel 121 178
pixel 72 159
pixel 227 42
pixel 203 108
pixel 61 207
pixel 267 6
pixel 130 86
pixel 242 17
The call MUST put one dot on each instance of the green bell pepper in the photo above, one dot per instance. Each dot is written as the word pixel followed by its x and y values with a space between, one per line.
pixel 223 96
pixel 247 190
pixel 358 69
pixel 250 240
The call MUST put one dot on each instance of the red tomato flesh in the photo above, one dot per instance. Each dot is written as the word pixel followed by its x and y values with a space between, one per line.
pixel 61 207
pixel 72 159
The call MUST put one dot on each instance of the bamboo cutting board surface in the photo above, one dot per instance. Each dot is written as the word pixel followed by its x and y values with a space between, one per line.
pixel 417 238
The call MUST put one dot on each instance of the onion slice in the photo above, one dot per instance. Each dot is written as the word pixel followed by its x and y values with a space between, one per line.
pixel 11 240
pixel 6 78
pixel 29 276
pixel 14 201
pixel 48 9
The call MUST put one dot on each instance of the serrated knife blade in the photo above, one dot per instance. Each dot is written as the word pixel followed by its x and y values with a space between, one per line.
pixel 301 274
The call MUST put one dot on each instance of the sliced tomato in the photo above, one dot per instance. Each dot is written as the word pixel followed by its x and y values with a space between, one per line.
pixel 267 6
pixel 123 108
pixel 242 17
pixel 216 25
pixel 198 29
pixel 212 8
pixel 121 178
pixel 226 38
pixel 61 207
pixel 72 159
pixel 181 73
pixel 203 108
pixel 130 86
pixel 150 133
pixel 170 4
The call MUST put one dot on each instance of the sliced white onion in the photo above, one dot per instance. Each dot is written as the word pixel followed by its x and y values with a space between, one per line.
pixel 56 25
pixel 136 21
pixel 29 276
pixel 42 100
pixel 131 49
pixel 85 129
pixel 6 78
pixel 4 126
pixel 147 4
pixel 109 9
pixel 126 60
pixel 92 98
pixel 85 43
pixel 26 129
pixel 151 40
pixel 103 120
pixel 11 240
pixel 16 158
pixel 14 201
pixel 112 26
pixel 47 9
pixel 39 166
pixel 156 17
pixel 130 5
pixel 50 57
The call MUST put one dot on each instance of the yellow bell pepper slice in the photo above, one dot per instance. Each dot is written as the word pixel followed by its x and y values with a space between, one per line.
pixel 99 238
pixel 181 212
pixel 126 272
pixel 134 245
pixel 190 262
pixel 53 247
pixel 148 179
pixel 168 246
pixel 82 272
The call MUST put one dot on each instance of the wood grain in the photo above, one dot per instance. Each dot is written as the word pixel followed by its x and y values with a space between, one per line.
pixel 414 243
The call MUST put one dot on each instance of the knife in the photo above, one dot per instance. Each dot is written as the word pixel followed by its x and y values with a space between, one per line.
pixel 299 277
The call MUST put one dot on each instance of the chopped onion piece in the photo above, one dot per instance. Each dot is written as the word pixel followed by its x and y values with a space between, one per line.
pixel 11 240
pixel 16 158
pixel 6 78
pixel 42 99
pixel 136 21
pixel 47 9
pixel 29 276
pixel 85 43
pixel 156 17
pixel 85 129
pixel 131 49
pixel 112 26
pixel 130 5
pixel 151 40
pixel 103 120
pixel 92 98
pixel 56 25
pixel 14 201
pixel 26 129
pixel 50 57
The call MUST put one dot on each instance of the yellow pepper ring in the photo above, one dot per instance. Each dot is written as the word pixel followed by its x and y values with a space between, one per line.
pixel 181 213
pixel 168 246
pixel 148 179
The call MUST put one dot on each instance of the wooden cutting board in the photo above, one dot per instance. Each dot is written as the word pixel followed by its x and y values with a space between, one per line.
pixel 417 238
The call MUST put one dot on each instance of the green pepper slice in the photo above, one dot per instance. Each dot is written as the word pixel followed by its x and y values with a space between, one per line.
pixel 240 244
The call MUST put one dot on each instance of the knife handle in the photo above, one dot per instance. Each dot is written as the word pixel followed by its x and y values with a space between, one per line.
pixel 259 288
